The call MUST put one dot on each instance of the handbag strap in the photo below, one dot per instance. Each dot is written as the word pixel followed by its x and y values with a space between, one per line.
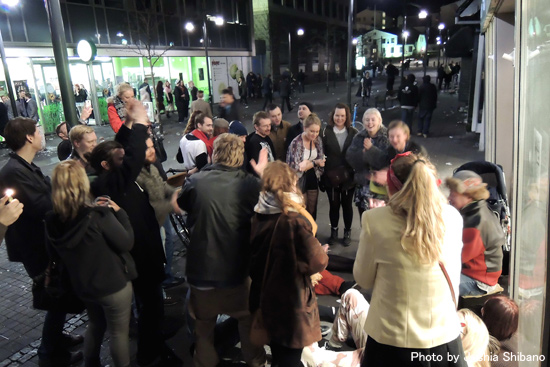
pixel 442 266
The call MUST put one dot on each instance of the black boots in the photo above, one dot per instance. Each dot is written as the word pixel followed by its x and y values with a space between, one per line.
pixel 347 237
pixel 333 236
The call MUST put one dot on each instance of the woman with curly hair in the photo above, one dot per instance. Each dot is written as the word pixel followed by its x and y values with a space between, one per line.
pixel 285 254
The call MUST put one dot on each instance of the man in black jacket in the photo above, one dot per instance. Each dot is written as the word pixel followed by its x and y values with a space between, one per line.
pixel 229 110
pixel 304 110
pixel 408 97
pixel 220 202
pixel 181 96
pixel 118 164
pixel 260 139
pixel 25 239
pixel 427 94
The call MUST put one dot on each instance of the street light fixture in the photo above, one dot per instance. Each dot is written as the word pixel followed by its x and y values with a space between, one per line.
pixel 354 41
pixel 423 14
pixel 190 27
pixel 10 3
pixel 300 32
pixel 441 27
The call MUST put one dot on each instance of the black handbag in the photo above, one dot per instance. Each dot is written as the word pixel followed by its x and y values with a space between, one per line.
pixel 52 291
pixel 337 176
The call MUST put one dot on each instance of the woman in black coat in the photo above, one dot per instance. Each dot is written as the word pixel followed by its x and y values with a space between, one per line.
pixel 93 244
pixel 338 176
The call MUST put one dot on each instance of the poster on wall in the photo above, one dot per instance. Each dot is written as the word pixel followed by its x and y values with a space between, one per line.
pixel 219 75
pixel 235 72
pixel 20 85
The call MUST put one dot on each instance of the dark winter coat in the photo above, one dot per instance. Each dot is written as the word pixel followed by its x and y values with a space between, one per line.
pixel 336 157
pixel 408 95
pixel 427 95
pixel 219 201
pixel 293 132
pixel 94 248
pixel 284 88
pixel 483 239
pixel 380 158
pixel 120 184
pixel 231 112
pixel 359 160
pixel 284 247
pixel 25 240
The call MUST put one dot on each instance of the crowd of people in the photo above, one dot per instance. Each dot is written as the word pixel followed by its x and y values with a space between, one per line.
pixel 254 254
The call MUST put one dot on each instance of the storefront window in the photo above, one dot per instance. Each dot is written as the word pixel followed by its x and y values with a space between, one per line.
pixel 533 175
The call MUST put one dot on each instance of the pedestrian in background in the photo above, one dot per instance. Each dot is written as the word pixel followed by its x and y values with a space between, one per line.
pixel 427 95
pixel 160 98
pixel 169 98
pixel 408 98
pixel 267 90
pixel 284 90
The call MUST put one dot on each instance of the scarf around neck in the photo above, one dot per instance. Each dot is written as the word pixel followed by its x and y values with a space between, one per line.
pixel 268 204
pixel 208 142
pixel 120 108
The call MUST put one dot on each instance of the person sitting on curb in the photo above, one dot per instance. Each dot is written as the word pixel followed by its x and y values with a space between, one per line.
pixel 482 236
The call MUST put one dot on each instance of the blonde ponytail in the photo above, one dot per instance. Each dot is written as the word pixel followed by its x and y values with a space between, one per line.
pixel 421 203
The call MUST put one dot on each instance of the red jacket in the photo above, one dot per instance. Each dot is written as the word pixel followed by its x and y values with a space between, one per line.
pixel 483 238
pixel 114 120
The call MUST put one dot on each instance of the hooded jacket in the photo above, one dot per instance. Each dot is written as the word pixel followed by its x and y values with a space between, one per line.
pixel 94 248
pixel 483 239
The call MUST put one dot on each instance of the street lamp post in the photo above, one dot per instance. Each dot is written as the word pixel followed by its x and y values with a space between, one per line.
pixel 440 27
pixel 350 47
pixel 7 72
pixel 405 35
pixel 190 27
pixel 300 32
pixel 423 15
pixel 53 9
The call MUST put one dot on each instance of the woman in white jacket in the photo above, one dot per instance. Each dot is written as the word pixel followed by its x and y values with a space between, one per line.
pixel 412 317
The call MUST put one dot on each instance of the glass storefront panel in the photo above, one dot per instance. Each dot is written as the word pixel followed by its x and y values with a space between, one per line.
pixel 533 175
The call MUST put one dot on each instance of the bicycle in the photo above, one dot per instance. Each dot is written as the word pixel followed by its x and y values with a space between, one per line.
pixel 178 220
pixel 358 125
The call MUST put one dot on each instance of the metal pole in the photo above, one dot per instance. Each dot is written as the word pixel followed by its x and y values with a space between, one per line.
pixel 350 47
pixel 93 90
pixel 289 53
pixel 427 43
pixel 205 39
pixel 403 37
pixel 7 75
pixel 328 61
pixel 53 8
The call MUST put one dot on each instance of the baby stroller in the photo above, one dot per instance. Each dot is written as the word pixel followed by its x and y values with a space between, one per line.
pixel 493 176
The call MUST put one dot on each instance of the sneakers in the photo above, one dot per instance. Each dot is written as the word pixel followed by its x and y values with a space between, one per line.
pixel 425 135
pixel 333 236
pixel 325 329
pixel 419 134
pixel 347 237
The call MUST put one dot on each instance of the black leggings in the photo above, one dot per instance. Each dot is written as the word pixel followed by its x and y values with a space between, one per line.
pixel 344 198
pixel 444 355
pixel 285 357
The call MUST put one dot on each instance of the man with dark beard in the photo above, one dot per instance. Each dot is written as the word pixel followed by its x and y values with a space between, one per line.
pixel 118 164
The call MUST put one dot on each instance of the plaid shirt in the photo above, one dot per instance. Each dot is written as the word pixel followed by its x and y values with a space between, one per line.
pixel 295 155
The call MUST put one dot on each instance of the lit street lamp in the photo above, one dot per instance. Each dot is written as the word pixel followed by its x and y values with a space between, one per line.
pixel 299 32
pixel 190 27
pixel 9 3
pixel 441 27
pixel 405 36
pixel 423 14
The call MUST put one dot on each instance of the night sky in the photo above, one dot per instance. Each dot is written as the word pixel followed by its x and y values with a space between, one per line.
pixel 395 7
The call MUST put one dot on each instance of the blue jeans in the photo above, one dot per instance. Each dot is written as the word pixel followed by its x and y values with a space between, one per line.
pixel 168 249
pixel 407 117
pixel 424 121
pixel 51 336
pixel 468 286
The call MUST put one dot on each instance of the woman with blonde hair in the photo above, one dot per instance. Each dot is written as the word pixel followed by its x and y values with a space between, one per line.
pixel 93 243
pixel 409 255
pixel 285 254
pixel 305 155
pixel 375 135
pixel 475 339
pixel 117 110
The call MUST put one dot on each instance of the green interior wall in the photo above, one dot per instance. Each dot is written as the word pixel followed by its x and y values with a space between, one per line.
pixel 196 64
